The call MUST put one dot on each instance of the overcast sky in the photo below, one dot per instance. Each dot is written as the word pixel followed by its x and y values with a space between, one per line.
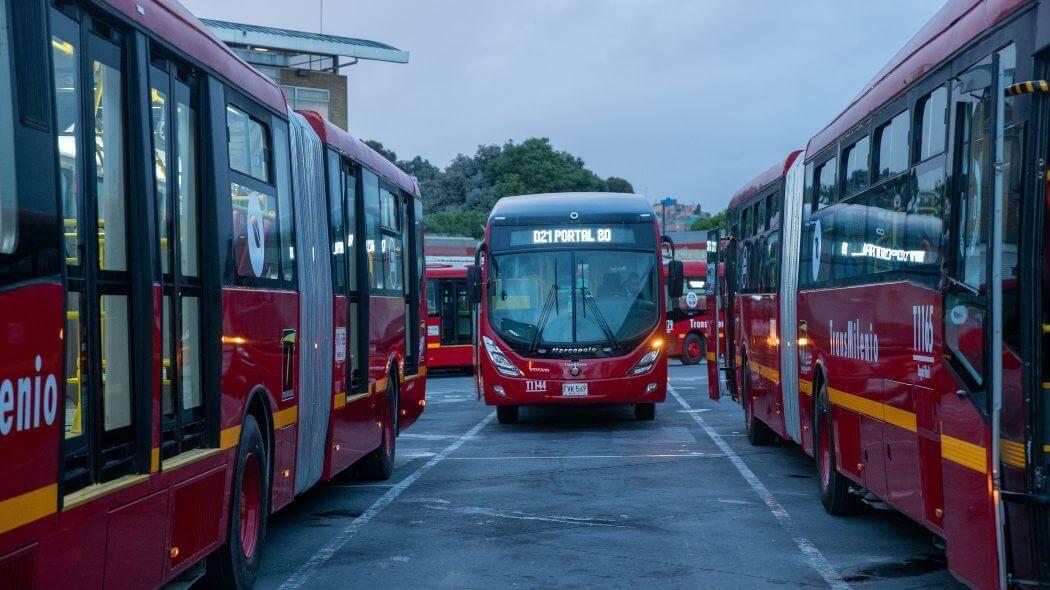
pixel 684 98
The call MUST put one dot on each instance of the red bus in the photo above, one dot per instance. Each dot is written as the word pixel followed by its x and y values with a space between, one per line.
pixel 177 250
pixel 449 325
pixel 904 345
pixel 687 316
pixel 570 300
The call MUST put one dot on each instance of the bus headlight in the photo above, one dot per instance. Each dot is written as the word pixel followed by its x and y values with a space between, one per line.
pixel 500 360
pixel 645 364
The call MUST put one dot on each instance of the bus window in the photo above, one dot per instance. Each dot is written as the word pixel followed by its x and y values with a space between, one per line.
pixel 759 217
pixel 337 222
pixel 855 168
pixel 891 147
pixel 931 126
pixel 825 183
pixel 432 307
pixel 285 210
pixel 8 190
pixel 965 302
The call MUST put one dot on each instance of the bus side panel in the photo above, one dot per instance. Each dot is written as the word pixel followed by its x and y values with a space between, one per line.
pixel 969 514
pixel 341 451
pixel 757 314
pixel 30 415
pixel 258 353
pixel 386 344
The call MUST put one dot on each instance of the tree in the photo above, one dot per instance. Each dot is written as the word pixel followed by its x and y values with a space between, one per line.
pixel 618 185
pixel 716 221
pixel 458 199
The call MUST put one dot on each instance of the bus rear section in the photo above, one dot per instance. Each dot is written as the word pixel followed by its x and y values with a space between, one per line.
pixel 757 219
pixel 450 329
pixel 687 318
pixel 571 303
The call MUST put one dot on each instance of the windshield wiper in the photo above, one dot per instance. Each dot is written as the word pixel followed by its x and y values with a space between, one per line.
pixel 545 313
pixel 598 317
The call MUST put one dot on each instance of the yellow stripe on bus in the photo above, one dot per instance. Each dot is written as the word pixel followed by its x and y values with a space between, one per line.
pixel 340 400
pixel 25 508
pixel 286 417
pixel 1012 453
pixel 229 437
pixel 964 453
pixel 805 387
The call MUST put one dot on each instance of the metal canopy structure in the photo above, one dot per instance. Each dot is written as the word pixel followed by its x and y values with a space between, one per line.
pixel 256 36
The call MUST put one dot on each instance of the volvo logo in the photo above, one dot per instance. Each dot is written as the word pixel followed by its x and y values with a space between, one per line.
pixel 574 216
pixel 574 369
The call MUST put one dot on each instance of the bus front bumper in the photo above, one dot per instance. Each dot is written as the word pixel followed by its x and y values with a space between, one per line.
pixel 647 388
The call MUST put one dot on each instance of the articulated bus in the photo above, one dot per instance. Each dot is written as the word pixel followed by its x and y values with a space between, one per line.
pixel 904 345
pixel 687 317
pixel 210 303
pixel 569 296
pixel 450 334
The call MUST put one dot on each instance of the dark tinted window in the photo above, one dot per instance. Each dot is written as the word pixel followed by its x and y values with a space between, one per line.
pixel 931 123
pixel 855 168
pixel 824 183
pixel 891 147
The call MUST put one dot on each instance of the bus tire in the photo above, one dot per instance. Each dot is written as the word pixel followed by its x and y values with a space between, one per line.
pixel 692 349
pixel 834 487
pixel 236 563
pixel 379 464
pixel 507 414
pixel 758 434
pixel 646 411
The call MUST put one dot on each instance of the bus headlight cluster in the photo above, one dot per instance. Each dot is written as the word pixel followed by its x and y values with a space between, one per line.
pixel 645 364
pixel 500 360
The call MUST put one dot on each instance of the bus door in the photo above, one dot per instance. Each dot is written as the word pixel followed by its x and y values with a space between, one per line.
pixel 454 312
pixel 728 254
pixel 993 330
pixel 712 290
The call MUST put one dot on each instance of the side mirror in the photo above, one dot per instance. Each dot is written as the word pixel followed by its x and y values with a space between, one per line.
pixel 675 279
pixel 474 284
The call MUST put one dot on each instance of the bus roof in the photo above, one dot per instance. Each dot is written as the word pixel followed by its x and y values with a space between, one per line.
pixel 773 174
pixel 557 208
pixel 359 150
pixel 955 24
pixel 171 22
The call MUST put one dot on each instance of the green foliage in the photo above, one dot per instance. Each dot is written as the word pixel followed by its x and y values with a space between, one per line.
pixel 458 199
pixel 619 185
pixel 716 221
pixel 456 222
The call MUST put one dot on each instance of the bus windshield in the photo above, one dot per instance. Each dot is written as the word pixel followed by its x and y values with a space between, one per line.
pixel 596 301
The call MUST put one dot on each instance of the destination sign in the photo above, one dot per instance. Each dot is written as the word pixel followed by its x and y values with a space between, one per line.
pixel 631 235
pixel 575 235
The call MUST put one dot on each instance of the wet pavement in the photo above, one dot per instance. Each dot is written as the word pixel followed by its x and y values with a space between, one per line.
pixel 587 498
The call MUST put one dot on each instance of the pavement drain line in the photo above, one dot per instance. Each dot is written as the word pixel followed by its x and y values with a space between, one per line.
pixel 813 555
pixel 303 574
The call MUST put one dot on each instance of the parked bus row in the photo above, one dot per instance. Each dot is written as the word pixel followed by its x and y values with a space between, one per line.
pixel 210 302
pixel 887 293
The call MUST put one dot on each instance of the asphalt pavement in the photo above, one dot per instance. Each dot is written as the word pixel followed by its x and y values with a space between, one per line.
pixel 590 498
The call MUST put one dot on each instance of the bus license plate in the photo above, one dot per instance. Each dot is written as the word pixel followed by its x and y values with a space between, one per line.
pixel 573 389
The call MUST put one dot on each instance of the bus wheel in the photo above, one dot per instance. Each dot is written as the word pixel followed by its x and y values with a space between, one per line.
pixel 758 434
pixel 236 563
pixel 507 414
pixel 692 349
pixel 834 488
pixel 646 411
pixel 379 464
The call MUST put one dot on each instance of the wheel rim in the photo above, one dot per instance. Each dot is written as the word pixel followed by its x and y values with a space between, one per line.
pixel 825 451
pixel 250 504
pixel 693 349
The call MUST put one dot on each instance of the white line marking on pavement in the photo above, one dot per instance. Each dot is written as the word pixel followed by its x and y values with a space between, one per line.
pixel 303 574
pixel 427 436
pixel 651 456
pixel 816 559
pixel 519 515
